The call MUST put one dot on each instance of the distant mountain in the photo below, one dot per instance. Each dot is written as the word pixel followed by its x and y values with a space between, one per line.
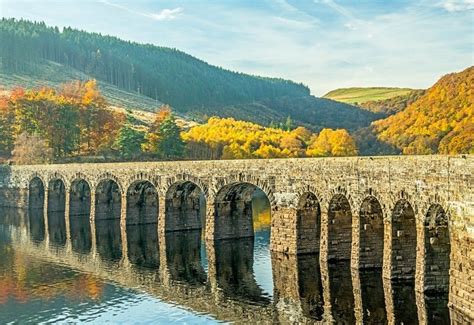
pixel 129 71
pixel 360 95
pixel 440 121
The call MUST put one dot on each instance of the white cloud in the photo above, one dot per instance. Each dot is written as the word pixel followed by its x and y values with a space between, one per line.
pixel 457 5
pixel 165 14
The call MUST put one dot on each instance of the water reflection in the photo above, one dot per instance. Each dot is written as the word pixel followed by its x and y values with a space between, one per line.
pixel 310 286
pixel 183 254
pixel 234 270
pixel 57 227
pixel 36 224
pixel 372 296
pixel 109 239
pixel 341 292
pixel 35 286
pixel 81 237
pixel 142 241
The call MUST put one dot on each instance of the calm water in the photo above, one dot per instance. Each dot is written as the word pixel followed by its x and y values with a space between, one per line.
pixel 188 282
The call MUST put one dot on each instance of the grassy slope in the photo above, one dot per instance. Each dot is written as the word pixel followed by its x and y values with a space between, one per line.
pixel 359 95
pixel 52 74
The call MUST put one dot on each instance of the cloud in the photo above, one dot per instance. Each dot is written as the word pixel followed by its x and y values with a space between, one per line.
pixel 457 5
pixel 165 14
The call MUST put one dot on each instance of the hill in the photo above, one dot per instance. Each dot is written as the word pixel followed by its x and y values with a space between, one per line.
pixel 360 95
pixel 31 50
pixel 440 121
pixel 392 105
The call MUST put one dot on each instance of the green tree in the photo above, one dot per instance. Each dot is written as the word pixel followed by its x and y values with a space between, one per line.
pixel 170 145
pixel 129 141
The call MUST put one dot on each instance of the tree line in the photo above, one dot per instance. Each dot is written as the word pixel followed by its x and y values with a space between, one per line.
pixel 53 125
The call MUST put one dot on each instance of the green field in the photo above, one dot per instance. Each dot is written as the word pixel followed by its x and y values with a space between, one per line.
pixel 359 95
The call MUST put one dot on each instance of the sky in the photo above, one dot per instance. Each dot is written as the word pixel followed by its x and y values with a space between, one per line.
pixel 325 44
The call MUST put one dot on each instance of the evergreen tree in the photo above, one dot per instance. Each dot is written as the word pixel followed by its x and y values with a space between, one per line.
pixel 129 141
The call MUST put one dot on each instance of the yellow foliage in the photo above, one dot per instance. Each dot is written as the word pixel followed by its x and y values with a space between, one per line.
pixel 227 138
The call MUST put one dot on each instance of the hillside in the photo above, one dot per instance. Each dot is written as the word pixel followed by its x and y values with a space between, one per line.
pixel 360 95
pixel 440 121
pixel 129 73
pixel 394 104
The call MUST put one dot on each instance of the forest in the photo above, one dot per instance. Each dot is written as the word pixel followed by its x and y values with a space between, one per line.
pixel 32 119
pixel 189 85
pixel 440 121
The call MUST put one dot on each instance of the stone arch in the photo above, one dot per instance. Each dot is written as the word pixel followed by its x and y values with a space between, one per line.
pixel 110 177
pixel 36 193
pixel 308 223
pixel 184 206
pixel 264 185
pixel 79 214
pixel 403 240
pixel 233 211
pixel 371 233
pixel 437 249
pixel 108 199
pixel 142 203
pixel 170 181
pixel 339 228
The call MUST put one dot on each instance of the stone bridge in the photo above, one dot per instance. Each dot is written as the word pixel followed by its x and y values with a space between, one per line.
pixel 411 216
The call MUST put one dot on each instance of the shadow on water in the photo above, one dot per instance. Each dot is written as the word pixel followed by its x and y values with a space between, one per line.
pixel 81 237
pixel 57 227
pixel 183 254
pixel 142 241
pixel 36 224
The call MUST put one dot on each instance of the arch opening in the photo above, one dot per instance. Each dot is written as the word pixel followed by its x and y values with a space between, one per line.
pixel 339 229
pixel 185 207
pixel 56 212
pixel 142 203
pixel 108 204
pixel 79 216
pixel 36 209
pixel 234 211
pixel 371 232
pixel 36 194
pixel 437 250
pixel 403 252
pixel 242 217
pixel 308 224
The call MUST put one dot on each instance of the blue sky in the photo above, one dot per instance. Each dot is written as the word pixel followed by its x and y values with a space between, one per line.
pixel 325 44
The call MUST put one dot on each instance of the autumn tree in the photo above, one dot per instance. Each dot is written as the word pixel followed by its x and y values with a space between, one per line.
pixel 332 143
pixel 31 149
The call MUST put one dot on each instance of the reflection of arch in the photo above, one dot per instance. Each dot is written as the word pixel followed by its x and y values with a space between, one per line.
pixel 183 255
pixel 308 223
pixel 142 203
pixel 233 211
pixel 142 243
pixel 235 273
pixel 108 200
pixel 184 206
pixel 403 252
pixel 36 193
pixel 310 287
pixel 437 249
pixel 339 228
pixel 371 233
